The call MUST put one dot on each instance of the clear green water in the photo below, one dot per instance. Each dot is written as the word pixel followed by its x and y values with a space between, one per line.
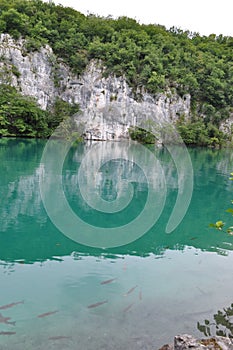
pixel 181 278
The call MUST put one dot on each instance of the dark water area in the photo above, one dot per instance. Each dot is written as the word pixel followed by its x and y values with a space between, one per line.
pixel 133 296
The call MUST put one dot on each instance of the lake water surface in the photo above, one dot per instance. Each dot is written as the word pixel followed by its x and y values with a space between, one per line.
pixel 159 285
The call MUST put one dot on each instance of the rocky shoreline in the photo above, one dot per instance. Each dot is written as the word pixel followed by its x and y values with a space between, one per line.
pixel 186 341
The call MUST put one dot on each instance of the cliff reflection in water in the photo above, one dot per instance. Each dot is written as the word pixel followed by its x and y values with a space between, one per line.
pixel 27 233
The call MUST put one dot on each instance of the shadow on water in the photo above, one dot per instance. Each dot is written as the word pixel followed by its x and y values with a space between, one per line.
pixel 221 324
pixel 25 223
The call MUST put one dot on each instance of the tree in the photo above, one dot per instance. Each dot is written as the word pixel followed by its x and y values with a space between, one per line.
pixel 21 116
pixel 15 23
pixel 149 56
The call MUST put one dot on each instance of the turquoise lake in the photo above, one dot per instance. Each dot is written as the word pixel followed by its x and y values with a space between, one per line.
pixel 133 296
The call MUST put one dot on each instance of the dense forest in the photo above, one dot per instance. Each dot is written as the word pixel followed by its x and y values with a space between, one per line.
pixel 150 56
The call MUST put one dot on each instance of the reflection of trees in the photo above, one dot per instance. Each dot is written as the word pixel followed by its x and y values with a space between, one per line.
pixel 24 220
pixel 19 157
pixel 221 325
pixel 19 174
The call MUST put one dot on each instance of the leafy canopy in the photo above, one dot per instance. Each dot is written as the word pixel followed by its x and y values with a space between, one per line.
pixel 149 56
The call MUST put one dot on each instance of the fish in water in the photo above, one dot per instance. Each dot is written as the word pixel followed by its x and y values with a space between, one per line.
pixel 47 314
pixel 130 291
pixel 6 320
pixel 59 337
pixel 7 333
pixel 140 295
pixel 97 304
pixel 108 281
pixel 128 307
pixel 7 306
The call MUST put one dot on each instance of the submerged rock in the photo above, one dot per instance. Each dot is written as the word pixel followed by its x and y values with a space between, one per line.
pixel 186 341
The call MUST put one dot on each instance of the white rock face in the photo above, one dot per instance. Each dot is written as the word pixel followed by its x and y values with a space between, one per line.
pixel 108 105
pixel 34 70
pixel 227 125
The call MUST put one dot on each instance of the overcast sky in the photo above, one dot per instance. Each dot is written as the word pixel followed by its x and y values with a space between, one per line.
pixel 203 16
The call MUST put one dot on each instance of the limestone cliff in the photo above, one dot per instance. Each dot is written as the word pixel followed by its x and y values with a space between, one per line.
pixel 108 104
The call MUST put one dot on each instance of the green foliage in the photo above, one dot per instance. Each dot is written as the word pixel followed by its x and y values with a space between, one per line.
pixel 218 225
pixel 199 132
pixel 149 56
pixel 15 71
pixel 61 111
pixel 15 23
pixel 21 116
pixel 141 135
pixel 68 129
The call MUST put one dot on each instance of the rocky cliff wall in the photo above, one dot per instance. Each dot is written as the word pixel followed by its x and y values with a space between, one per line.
pixel 108 104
